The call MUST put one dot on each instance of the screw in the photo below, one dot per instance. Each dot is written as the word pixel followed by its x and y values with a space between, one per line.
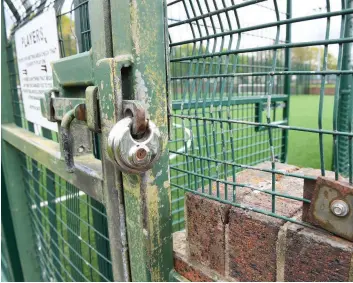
pixel 339 208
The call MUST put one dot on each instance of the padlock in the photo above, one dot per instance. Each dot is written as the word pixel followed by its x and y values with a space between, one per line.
pixel 132 154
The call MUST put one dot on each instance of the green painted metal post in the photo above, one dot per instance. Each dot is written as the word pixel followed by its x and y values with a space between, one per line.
pixel 287 81
pixel 344 98
pixel 138 29
pixel 11 164
pixel 106 79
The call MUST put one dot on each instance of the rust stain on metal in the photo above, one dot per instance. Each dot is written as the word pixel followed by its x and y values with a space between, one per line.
pixel 326 191
pixel 80 112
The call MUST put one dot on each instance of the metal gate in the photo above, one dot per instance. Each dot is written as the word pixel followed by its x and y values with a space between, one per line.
pixel 220 95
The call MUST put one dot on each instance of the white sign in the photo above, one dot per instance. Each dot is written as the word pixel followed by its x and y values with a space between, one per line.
pixel 36 47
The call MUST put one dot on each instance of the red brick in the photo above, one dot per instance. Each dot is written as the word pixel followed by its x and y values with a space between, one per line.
pixel 206 218
pixel 252 236
pixel 315 255
pixel 251 245
pixel 205 226
pixel 181 264
pixel 189 271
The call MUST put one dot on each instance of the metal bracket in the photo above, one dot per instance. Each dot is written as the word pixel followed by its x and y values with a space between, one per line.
pixel 331 207
pixel 92 109
pixel 66 110
pixel 67 139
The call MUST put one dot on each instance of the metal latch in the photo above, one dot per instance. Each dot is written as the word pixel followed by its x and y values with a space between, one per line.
pixel 65 110
pixel 134 143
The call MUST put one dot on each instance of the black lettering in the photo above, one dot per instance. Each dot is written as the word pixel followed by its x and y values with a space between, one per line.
pixel 33 37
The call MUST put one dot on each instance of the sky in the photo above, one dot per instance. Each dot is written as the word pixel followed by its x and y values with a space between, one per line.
pixel 260 14
pixel 248 16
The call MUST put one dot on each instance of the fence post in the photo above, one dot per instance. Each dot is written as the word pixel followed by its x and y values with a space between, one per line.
pixel 11 165
pixel 138 29
pixel 344 99
pixel 287 81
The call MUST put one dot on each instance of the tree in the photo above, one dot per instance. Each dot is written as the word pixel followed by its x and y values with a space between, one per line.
pixel 202 66
pixel 313 56
pixel 66 31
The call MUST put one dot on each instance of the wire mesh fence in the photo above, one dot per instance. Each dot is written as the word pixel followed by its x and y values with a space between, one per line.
pixel 72 240
pixel 234 65
pixel 70 226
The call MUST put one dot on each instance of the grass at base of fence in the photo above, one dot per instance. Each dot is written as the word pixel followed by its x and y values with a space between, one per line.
pixel 303 147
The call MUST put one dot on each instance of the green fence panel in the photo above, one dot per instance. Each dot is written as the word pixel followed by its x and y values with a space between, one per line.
pixel 224 114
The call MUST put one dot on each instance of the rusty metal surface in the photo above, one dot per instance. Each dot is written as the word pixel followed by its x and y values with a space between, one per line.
pixel 46 105
pixel 107 78
pixel 325 193
pixel 55 108
pixel 137 111
pixel 147 196
pixel 82 138
pixel 62 105
pixel 80 112
pixel 88 173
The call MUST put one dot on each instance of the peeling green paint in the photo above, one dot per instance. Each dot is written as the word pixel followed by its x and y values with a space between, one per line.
pixel 147 196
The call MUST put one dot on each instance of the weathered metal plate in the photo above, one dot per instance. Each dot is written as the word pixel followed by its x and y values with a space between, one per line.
pixel 326 191
pixel 92 109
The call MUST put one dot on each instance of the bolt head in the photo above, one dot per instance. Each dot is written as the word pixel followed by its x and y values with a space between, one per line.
pixel 339 208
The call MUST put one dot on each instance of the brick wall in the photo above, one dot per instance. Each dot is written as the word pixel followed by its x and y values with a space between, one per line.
pixel 223 242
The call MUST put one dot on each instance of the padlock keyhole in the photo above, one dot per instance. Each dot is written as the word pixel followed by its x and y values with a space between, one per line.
pixel 141 154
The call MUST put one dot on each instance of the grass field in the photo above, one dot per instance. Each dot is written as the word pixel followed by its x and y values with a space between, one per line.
pixel 303 148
